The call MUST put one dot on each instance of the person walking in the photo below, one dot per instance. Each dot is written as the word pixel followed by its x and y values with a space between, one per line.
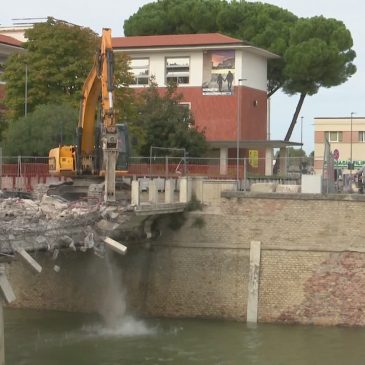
pixel 220 82
pixel 229 79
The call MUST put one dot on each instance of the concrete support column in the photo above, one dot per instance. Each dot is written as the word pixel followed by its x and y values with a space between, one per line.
pixel 110 157
pixel 223 163
pixel 253 281
pixel 2 335
pixel 268 161
pixel 1 168
pixel 7 296
pixel 185 189
pixel 152 191
pixel 169 191
pixel 283 161
pixel 135 197
pixel 197 187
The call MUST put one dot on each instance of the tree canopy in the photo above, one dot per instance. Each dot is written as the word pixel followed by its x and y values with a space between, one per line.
pixel 58 57
pixel 315 52
pixel 162 121
pixel 45 128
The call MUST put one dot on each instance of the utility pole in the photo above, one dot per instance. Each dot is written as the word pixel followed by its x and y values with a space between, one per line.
pixel 26 91
pixel 351 116
pixel 301 133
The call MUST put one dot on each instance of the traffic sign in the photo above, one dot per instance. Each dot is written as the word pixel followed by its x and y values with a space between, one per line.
pixel 336 154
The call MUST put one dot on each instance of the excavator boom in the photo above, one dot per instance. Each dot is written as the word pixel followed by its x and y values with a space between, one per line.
pixel 97 99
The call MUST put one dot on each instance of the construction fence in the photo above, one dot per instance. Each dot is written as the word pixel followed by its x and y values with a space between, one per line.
pixel 25 171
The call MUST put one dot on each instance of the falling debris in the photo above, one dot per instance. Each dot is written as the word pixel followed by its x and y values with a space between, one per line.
pixel 115 246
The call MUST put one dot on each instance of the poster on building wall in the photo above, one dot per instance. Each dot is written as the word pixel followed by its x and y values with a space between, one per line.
pixel 253 158
pixel 218 72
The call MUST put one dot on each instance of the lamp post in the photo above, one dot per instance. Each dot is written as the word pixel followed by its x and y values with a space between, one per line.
pixel 351 116
pixel 238 132
pixel 26 91
pixel 301 133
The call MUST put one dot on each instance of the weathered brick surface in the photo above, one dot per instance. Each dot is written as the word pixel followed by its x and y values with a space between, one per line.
pixel 196 282
pixel 312 265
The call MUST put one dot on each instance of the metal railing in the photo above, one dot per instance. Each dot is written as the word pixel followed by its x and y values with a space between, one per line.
pixel 168 166
pixel 24 166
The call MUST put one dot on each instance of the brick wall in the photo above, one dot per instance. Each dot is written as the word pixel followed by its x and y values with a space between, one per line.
pixel 312 264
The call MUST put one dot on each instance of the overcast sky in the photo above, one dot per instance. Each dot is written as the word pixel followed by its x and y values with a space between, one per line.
pixel 338 101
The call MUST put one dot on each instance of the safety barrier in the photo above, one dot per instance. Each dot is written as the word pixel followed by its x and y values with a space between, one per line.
pixel 23 173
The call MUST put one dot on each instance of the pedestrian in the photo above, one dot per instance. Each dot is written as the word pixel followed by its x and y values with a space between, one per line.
pixel 229 79
pixel 220 82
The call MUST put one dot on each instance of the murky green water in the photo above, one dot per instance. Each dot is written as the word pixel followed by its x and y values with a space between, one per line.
pixel 56 338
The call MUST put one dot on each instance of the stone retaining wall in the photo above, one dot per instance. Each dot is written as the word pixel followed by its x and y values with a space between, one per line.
pixel 312 264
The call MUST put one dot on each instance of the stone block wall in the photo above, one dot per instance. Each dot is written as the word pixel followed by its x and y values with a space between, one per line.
pixel 312 264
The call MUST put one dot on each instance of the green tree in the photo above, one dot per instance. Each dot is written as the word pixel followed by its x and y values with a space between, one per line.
pixel 58 57
pixel 315 52
pixel 163 122
pixel 319 55
pixel 3 124
pixel 43 129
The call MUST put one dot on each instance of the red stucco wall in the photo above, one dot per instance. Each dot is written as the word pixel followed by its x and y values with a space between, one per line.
pixel 2 96
pixel 218 113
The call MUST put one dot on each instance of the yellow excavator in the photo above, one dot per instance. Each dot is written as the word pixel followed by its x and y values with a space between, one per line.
pixel 102 145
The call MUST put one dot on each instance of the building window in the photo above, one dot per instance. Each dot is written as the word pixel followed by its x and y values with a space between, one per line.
pixel 177 70
pixel 334 136
pixel 186 109
pixel 140 68
pixel 361 136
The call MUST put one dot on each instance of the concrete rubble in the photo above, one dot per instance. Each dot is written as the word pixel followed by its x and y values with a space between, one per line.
pixel 52 224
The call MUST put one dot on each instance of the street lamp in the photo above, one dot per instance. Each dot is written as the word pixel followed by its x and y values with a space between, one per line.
pixel 238 132
pixel 26 91
pixel 301 132
pixel 351 166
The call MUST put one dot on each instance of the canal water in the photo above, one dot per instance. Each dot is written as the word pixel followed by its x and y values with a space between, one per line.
pixel 58 338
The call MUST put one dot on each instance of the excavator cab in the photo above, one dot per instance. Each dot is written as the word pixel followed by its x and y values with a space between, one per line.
pixel 61 160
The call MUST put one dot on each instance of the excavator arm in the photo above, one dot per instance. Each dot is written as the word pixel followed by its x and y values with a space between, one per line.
pixel 96 92
pixel 97 99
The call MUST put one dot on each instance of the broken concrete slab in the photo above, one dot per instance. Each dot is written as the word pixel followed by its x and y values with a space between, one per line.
pixel 115 246
pixel 29 259
pixel 108 226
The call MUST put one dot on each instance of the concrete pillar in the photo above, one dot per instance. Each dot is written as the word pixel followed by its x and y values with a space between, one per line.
pixel 169 191
pixel 135 197
pixel 185 189
pixel 253 281
pixel 283 161
pixel 1 167
pixel 152 191
pixel 197 187
pixel 268 161
pixel 2 335
pixel 223 163
pixel 7 296
pixel 110 157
